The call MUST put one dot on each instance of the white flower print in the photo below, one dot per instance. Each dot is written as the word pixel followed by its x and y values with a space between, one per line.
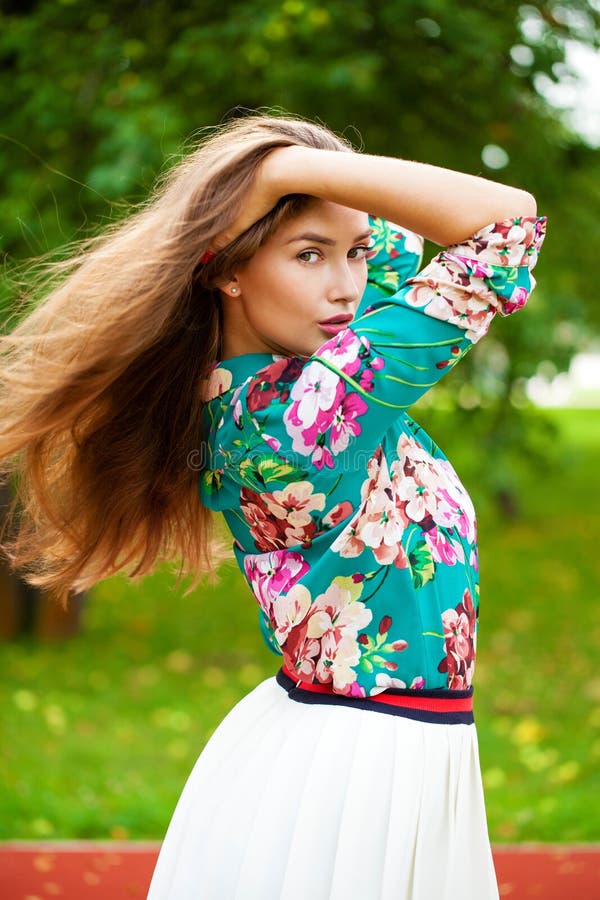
pixel 420 501
pixel 289 610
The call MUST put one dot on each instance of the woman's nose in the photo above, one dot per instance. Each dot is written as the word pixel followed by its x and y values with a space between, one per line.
pixel 345 285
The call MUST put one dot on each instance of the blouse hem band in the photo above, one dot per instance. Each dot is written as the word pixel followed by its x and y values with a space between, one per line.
pixel 447 708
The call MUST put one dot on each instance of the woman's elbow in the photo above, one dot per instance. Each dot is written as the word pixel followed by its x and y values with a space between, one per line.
pixel 526 204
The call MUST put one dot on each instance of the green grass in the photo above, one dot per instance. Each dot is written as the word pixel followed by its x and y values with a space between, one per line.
pixel 538 687
pixel 99 733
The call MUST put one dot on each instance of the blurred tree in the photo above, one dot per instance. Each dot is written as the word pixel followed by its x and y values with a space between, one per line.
pixel 98 97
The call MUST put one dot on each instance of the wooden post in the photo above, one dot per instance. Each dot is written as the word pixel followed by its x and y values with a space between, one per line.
pixel 27 610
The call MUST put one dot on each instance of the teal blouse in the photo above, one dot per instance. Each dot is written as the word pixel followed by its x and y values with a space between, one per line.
pixel 354 532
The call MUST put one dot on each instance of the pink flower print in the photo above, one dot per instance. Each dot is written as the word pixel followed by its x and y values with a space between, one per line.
pixel 518 299
pixel 336 611
pixel 356 690
pixel 429 487
pixel 270 574
pixel 366 380
pixel 469 265
pixel 459 643
pixel 380 522
pixel 344 421
pixel 383 525
pixel 343 351
pixel 451 296
pixel 447 513
pixel 466 523
pixel 270 527
pixel 391 556
pixel 319 637
pixel 237 413
pixel 373 467
pixel 455 508
pixel 337 416
pixel 347 544
pixel 300 653
pixel 336 661
pixel 471 312
pixel 338 513
pixel 217 383
pixel 444 550
pixel 418 683
pixel 413 242
pixel 409 449
pixel 468 608
pixel 420 501
pixel 335 620
pixel 273 442
pixel 269 383
pixel 237 405
pixel 312 413
pixel 421 293
pixel 456 632
pixel 510 242
pixel 310 441
pixel 322 457
pixel 267 532
pixel 462 517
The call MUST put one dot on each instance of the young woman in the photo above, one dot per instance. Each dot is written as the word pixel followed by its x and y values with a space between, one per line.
pixel 250 342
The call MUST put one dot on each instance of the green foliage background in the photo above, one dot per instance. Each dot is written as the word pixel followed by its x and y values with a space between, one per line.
pixel 97 98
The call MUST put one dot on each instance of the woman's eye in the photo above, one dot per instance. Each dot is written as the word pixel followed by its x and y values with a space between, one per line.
pixel 307 253
pixel 360 251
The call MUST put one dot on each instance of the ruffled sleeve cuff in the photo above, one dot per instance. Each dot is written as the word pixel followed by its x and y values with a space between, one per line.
pixel 489 273
pixel 510 242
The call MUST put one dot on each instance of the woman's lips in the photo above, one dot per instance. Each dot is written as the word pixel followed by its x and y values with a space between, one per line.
pixel 334 327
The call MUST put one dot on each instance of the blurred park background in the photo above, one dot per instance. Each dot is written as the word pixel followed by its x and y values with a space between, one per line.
pixel 100 728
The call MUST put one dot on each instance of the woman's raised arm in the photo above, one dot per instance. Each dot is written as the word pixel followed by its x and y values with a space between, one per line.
pixel 443 205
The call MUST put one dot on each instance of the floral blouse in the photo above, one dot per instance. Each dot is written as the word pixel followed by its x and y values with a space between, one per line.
pixel 354 532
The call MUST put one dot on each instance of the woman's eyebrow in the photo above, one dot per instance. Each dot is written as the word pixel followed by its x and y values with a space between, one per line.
pixel 320 239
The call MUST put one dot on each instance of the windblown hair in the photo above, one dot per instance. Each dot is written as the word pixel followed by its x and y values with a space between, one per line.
pixel 101 410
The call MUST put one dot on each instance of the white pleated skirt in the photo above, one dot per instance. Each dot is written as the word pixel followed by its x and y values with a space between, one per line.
pixel 295 801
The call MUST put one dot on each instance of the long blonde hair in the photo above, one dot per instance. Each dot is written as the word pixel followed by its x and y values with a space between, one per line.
pixel 100 406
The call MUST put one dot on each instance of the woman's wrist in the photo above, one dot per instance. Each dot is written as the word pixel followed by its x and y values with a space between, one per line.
pixel 288 169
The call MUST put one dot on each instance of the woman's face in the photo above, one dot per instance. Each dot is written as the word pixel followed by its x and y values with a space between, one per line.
pixel 311 269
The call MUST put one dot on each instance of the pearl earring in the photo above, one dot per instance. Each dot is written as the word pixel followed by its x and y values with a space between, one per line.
pixel 234 290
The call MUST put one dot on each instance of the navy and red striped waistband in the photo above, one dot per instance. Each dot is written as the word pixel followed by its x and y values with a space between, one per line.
pixel 443 706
